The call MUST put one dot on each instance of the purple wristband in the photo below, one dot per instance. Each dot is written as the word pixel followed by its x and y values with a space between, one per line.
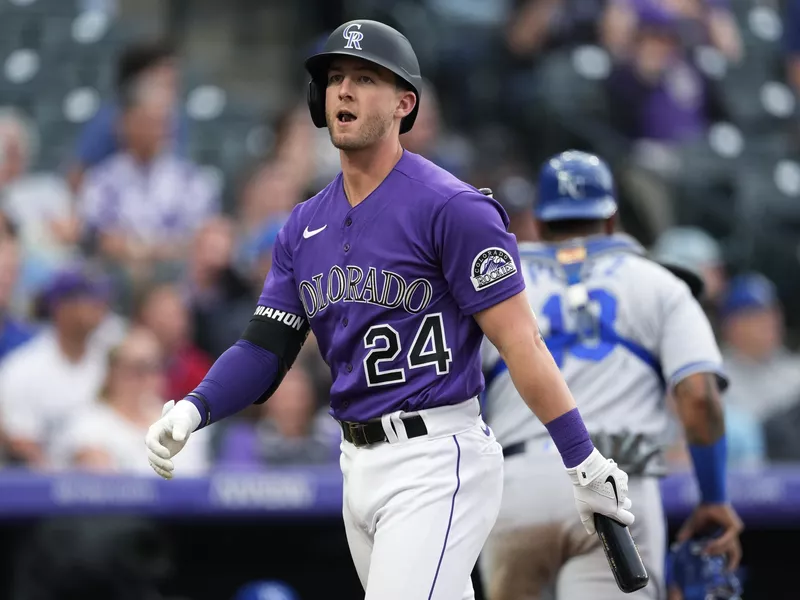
pixel 571 438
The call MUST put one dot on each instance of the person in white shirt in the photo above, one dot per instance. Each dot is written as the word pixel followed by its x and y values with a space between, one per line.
pixel 107 436
pixel 57 372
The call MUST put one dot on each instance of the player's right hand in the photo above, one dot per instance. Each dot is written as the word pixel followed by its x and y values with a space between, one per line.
pixel 167 436
pixel 600 487
pixel 711 516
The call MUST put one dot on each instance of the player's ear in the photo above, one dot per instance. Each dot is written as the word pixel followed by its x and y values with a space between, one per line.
pixel 406 101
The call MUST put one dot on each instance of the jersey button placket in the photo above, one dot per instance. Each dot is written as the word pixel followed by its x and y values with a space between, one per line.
pixel 349 368
pixel 347 247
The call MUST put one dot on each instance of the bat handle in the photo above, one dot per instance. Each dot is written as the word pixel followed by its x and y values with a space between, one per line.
pixel 622 554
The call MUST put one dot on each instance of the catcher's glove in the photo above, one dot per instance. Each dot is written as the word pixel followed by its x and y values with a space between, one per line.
pixel 700 576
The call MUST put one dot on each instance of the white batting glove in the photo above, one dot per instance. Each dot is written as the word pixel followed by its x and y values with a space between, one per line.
pixel 600 487
pixel 167 436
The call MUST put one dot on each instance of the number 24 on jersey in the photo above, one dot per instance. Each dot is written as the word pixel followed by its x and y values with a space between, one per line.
pixel 427 349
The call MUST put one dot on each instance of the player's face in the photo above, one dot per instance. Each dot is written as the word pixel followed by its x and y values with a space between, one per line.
pixel 363 103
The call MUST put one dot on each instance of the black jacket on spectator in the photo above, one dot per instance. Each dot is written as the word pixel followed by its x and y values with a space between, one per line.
pixel 219 324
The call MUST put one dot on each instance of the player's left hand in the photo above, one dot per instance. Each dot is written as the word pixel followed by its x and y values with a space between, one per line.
pixel 601 487
pixel 711 516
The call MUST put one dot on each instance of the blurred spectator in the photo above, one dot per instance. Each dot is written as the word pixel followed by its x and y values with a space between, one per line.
pixel 791 32
pixel 266 201
pixel 694 249
pixel 723 30
pixel 700 21
pixel 460 41
pixel 302 159
pixel 543 25
pixel 39 204
pixel 163 312
pixel 256 255
pixel 107 435
pixel 153 64
pixel 220 300
pixel 516 194
pixel 142 205
pixel 430 139
pixel 655 92
pixel 14 331
pixel 290 429
pixel 764 374
pixel 47 380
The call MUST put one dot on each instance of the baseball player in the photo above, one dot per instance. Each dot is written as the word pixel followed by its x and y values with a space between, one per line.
pixel 623 330
pixel 399 269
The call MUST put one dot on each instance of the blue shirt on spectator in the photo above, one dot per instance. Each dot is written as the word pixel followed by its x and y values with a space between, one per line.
pixel 99 138
pixel 14 333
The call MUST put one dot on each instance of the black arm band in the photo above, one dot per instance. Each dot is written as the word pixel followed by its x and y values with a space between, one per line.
pixel 280 332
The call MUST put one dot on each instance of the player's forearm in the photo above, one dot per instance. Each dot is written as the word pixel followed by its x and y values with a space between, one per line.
pixel 699 408
pixel 541 385
pixel 700 411
pixel 511 327
pixel 235 381
pixel 537 378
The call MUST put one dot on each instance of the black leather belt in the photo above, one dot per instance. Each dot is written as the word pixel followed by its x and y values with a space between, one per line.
pixel 514 449
pixel 364 434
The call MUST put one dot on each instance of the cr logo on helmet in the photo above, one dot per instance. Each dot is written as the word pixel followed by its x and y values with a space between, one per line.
pixel 353 37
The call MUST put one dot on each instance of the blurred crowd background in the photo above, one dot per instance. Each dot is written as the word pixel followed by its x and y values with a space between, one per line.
pixel 151 150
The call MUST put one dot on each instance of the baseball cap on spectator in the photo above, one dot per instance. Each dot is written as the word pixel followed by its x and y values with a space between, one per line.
pixel 72 283
pixel 654 14
pixel 266 590
pixel 265 239
pixel 749 292
pixel 261 241
pixel 688 247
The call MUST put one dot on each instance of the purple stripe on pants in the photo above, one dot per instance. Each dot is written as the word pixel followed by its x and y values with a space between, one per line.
pixel 450 520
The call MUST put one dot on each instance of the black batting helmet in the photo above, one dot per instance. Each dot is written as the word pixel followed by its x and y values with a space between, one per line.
pixel 371 41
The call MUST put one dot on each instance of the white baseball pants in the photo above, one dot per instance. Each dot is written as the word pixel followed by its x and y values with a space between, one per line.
pixel 417 512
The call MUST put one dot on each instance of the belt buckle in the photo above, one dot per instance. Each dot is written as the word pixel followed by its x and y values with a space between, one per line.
pixel 357 436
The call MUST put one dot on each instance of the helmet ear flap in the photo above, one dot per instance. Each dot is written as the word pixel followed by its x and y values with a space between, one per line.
pixel 316 104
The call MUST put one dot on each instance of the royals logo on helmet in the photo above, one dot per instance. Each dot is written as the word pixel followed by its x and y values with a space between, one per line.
pixel 571 185
pixel 353 37
pixel 491 266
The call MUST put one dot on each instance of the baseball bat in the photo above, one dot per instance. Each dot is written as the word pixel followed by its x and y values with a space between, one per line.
pixel 622 554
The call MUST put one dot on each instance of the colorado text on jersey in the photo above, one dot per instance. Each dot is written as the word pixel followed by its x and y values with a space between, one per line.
pixel 353 286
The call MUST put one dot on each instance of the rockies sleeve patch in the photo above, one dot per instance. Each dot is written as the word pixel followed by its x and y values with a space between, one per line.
pixel 491 266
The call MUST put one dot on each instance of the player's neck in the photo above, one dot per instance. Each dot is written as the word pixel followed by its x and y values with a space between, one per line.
pixel 364 170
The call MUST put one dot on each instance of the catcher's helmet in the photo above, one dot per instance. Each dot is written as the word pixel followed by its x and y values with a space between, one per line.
pixel 372 41
pixel 700 576
pixel 575 185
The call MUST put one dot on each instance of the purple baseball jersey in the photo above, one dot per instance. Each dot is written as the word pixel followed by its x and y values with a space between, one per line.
pixel 390 287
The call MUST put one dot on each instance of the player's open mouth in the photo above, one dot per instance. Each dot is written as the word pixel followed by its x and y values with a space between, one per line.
pixel 345 116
